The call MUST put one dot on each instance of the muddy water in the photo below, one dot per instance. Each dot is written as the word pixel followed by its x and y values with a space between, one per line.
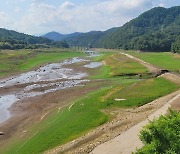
pixel 46 79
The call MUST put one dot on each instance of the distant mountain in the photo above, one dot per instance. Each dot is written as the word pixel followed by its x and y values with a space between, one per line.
pixel 90 38
pixel 54 36
pixel 59 37
pixel 84 39
pixel 10 39
pixel 11 34
pixel 154 30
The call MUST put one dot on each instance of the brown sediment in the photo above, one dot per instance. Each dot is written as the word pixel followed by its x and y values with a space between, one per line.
pixel 29 112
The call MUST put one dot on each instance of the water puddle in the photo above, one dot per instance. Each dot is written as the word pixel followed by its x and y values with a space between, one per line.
pixel 5 102
pixel 93 65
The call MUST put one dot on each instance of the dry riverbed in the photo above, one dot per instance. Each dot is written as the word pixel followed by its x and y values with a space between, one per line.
pixel 29 97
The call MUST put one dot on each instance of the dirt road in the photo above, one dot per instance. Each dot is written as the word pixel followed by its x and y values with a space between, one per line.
pixel 154 69
pixel 151 68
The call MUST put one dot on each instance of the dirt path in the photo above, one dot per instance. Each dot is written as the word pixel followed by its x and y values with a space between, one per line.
pixel 174 77
pixel 128 141
pixel 151 68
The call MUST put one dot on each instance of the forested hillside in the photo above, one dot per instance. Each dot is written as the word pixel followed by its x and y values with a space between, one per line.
pixel 54 36
pixel 10 39
pixel 84 39
pixel 155 30
pixel 176 45
pixel 79 39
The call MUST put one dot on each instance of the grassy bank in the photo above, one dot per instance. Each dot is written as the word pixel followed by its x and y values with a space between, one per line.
pixel 24 60
pixel 115 64
pixel 164 60
pixel 139 93
pixel 122 65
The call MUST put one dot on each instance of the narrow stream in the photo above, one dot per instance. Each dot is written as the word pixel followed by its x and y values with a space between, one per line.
pixel 50 78
pixel 34 80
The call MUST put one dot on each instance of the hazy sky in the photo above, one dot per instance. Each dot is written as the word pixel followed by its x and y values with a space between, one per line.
pixel 42 16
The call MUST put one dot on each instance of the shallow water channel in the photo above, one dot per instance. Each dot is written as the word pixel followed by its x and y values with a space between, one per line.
pixel 51 77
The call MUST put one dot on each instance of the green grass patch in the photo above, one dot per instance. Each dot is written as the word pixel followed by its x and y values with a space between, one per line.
pixel 117 65
pixel 141 92
pixel 121 64
pixel 164 60
pixel 43 58
pixel 24 60
pixel 67 125
pixel 102 72
pixel 102 56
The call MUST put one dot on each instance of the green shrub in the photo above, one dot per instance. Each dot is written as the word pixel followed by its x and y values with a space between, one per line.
pixel 162 136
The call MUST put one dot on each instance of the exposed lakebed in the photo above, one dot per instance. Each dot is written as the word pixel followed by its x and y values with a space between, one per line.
pixel 46 79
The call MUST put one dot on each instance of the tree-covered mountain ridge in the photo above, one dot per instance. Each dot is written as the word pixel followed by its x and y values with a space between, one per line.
pixel 10 39
pixel 154 30
pixel 157 29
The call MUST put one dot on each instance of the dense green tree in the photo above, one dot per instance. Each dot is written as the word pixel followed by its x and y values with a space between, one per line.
pixel 63 44
pixel 162 136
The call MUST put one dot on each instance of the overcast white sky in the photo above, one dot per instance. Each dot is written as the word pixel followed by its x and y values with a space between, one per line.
pixel 41 16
